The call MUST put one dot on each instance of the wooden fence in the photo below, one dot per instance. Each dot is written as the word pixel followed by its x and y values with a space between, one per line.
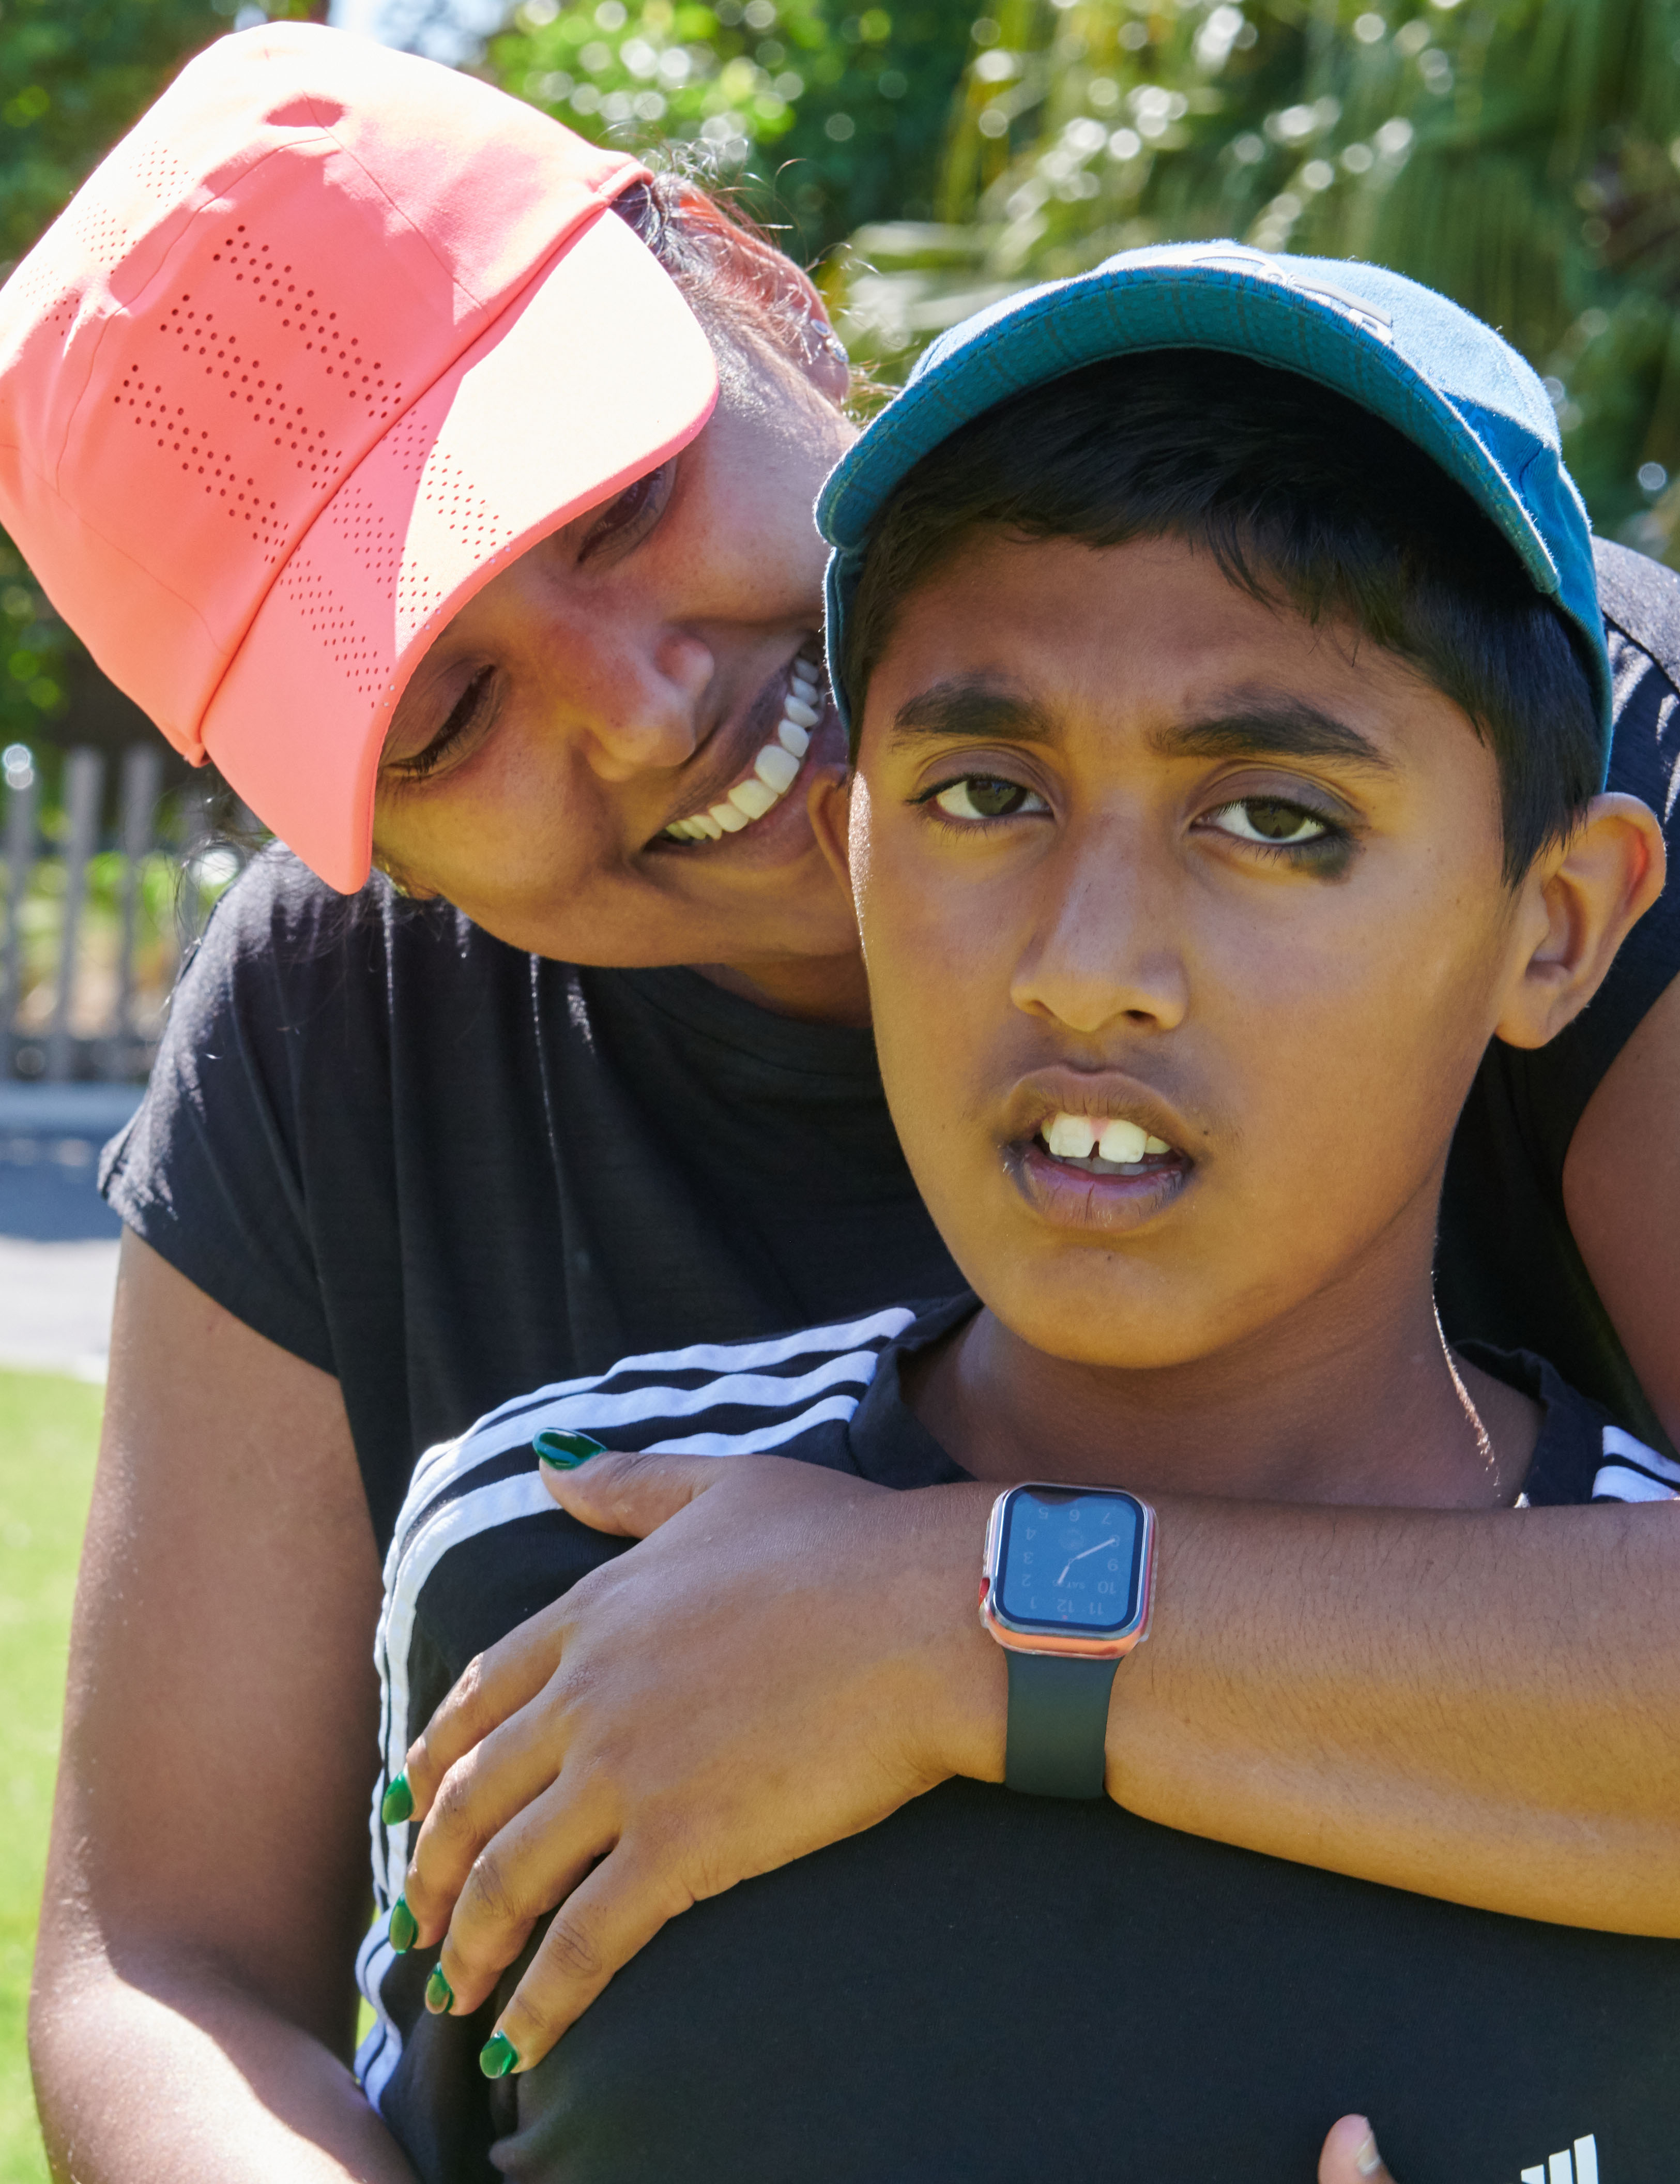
pixel 98 913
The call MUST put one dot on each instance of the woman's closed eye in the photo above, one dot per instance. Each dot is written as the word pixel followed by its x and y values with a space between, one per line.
pixel 975 798
pixel 470 712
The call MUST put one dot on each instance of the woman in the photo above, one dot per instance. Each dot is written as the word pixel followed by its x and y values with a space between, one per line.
pixel 393 1167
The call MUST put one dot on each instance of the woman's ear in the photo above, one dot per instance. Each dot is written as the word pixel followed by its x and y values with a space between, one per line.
pixel 1585 895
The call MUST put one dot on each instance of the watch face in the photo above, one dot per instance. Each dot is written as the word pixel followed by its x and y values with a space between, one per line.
pixel 1068 1561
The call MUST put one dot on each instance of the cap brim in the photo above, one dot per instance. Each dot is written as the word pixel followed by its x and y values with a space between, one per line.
pixel 596 374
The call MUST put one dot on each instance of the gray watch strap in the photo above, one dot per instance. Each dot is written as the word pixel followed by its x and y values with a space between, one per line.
pixel 1058 1724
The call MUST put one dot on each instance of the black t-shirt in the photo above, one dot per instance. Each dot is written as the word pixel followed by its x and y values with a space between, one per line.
pixel 440 1169
pixel 989 1986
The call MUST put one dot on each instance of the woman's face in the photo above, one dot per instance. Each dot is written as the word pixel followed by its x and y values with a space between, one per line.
pixel 622 677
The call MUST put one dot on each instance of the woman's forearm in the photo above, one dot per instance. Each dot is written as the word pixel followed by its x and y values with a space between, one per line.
pixel 1479 1707
pixel 166 2075
pixel 1482 1707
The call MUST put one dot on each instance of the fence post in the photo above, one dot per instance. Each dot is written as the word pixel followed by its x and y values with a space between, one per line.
pixel 142 775
pixel 84 779
pixel 20 805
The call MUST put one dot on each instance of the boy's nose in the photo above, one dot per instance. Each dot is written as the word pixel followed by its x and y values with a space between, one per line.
pixel 1097 957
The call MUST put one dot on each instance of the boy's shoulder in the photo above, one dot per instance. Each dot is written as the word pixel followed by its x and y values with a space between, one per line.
pixel 1580 1454
pixel 784 1392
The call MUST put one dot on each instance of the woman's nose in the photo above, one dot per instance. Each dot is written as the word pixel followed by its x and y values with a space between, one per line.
pixel 649 713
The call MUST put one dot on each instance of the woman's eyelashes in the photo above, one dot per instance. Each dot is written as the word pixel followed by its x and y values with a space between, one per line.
pixel 629 516
pixel 470 713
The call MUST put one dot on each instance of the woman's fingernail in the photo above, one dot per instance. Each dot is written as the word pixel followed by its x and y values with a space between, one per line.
pixel 398 1803
pixel 497 2056
pixel 404 1928
pixel 440 1996
pixel 567 1451
pixel 1368 2161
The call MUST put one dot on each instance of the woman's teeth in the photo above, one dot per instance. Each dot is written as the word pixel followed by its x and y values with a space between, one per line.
pixel 775 770
pixel 1082 1137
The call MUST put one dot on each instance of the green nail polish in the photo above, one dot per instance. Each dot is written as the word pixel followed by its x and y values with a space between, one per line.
pixel 567 1451
pixel 397 1803
pixel 497 2056
pixel 404 1928
pixel 440 1996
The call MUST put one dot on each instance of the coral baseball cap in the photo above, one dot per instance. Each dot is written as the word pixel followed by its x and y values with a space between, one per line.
pixel 333 336
pixel 1437 375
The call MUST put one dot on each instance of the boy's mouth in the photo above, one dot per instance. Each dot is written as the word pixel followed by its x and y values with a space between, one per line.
pixel 776 767
pixel 1101 1147
pixel 1107 1171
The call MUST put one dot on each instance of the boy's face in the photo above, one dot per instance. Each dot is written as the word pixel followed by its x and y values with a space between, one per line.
pixel 1136 856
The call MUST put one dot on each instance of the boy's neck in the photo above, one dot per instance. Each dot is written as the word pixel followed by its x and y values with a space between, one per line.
pixel 1351 1397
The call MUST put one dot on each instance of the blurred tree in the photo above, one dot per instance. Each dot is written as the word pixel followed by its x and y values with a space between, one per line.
pixel 1519 154
pixel 74 74
pixel 825 119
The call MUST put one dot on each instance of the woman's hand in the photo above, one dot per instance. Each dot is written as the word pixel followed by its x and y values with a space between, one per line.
pixel 820 1662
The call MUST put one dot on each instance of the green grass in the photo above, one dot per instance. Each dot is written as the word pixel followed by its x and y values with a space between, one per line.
pixel 48 1431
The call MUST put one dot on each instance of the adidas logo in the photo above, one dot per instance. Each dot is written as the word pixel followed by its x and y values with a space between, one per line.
pixel 1580 2168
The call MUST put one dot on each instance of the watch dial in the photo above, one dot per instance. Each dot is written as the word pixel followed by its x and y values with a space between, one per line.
pixel 1070 1560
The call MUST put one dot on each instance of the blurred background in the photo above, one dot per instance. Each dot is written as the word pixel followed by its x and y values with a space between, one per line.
pixel 923 159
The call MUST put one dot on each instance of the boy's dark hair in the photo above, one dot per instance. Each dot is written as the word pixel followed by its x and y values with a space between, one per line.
pixel 1291 489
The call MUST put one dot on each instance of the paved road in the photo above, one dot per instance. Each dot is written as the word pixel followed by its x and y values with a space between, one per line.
pixel 58 1238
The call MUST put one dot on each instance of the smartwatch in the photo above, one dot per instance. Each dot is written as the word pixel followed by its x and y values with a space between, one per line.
pixel 1065 1590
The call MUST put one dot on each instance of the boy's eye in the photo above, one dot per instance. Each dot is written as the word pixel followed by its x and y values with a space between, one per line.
pixel 1266 819
pixel 982 796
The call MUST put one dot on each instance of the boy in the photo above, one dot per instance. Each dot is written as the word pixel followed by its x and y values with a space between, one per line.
pixel 1219 636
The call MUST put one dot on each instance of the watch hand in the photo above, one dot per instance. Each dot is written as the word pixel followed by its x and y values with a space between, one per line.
pixel 1080 1555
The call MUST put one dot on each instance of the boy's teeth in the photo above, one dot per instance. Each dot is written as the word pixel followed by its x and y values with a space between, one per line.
pixel 1123 1143
pixel 792 737
pixel 1070 1137
pixel 728 817
pixel 1077 1137
pixel 796 709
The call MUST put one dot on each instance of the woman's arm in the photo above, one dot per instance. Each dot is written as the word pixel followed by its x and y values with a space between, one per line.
pixel 194 2004
pixel 1476 1706
pixel 1621 1192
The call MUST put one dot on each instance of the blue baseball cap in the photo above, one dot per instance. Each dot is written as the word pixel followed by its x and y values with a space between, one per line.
pixel 1429 369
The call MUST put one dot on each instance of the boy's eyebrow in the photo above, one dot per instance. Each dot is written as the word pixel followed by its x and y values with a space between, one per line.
pixel 1262 724
pixel 974 705
pixel 1271 727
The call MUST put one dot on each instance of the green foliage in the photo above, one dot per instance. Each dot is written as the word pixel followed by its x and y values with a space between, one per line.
pixel 826 120
pixel 1515 154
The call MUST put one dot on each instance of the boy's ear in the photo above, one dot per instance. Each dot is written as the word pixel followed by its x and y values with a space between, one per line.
pixel 1585 894
pixel 830 812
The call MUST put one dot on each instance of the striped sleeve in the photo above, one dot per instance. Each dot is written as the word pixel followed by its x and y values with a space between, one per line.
pixel 734 1399
pixel 1631 1472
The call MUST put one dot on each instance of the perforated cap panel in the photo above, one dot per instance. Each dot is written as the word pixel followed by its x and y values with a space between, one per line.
pixel 305 235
